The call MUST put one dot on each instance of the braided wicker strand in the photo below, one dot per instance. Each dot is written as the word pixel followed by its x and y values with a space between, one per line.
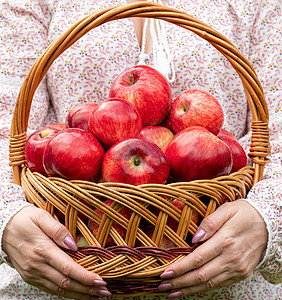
pixel 133 265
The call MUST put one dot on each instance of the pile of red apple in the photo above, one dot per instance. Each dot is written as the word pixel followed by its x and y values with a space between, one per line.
pixel 138 135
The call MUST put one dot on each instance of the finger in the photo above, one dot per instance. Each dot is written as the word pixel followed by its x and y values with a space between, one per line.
pixel 51 289
pixel 55 230
pixel 200 256
pixel 233 265
pixel 215 283
pixel 65 265
pixel 46 274
pixel 62 282
pixel 212 223
pixel 195 277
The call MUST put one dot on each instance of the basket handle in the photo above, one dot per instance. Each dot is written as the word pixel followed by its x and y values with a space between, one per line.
pixel 259 148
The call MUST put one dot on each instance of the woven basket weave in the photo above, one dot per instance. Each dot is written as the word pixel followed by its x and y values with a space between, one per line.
pixel 133 270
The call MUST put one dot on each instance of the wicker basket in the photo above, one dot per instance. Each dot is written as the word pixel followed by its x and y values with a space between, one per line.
pixel 129 270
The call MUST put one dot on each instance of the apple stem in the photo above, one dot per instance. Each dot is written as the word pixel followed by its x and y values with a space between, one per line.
pixel 132 80
pixel 44 133
pixel 136 161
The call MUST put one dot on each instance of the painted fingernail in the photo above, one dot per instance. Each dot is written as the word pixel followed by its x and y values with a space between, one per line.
pixel 175 294
pixel 200 233
pixel 165 286
pixel 70 243
pixel 167 274
pixel 104 293
pixel 99 282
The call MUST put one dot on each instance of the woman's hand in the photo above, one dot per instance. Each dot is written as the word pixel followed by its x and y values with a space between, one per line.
pixel 29 240
pixel 235 238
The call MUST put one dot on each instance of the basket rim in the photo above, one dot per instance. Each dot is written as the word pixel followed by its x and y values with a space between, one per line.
pixel 123 262
pixel 231 186
pixel 259 147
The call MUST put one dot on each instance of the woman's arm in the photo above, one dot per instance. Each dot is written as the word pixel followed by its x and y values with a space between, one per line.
pixel 236 239
pixel 23 34
pixel 266 195
pixel 29 235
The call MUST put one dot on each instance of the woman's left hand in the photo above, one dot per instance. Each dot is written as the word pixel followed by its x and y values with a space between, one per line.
pixel 235 238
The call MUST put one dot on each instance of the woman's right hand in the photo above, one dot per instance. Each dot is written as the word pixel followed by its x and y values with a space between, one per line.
pixel 30 240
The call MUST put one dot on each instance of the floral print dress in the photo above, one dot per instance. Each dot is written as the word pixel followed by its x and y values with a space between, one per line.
pixel 85 71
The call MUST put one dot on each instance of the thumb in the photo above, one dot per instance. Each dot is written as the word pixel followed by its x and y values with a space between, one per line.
pixel 55 230
pixel 212 223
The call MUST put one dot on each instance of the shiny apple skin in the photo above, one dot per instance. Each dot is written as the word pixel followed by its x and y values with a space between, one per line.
pixel 147 89
pixel 74 153
pixel 115 120
pixel 195 217
pixel 159 135
pixel 35 146
pixel 94 227
pixel 60 126
pixel 120 163
pixel 238 153
pixel 196 108
pixel 78 116
pixel 196 153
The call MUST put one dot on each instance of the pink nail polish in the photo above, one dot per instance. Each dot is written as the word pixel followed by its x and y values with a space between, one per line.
pixel 165 286
pixel 200 233
pixel 175 294
pixel 167 274
pixel 104 293
pixel 98 282
pixel 70 243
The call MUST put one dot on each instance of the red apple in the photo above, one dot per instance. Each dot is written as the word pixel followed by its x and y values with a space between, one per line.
pixel 196 153
pixel 147 89
pixel 167 123
pixel 35 146
pixel 159 135
pixel 135 161
pixel 94 227
pixel 196 108
pixel 166 243
pixel 115 120
pixel 180 205
pixel 238 154
pixel 60 126
pixel 78 116
pixel 74 153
